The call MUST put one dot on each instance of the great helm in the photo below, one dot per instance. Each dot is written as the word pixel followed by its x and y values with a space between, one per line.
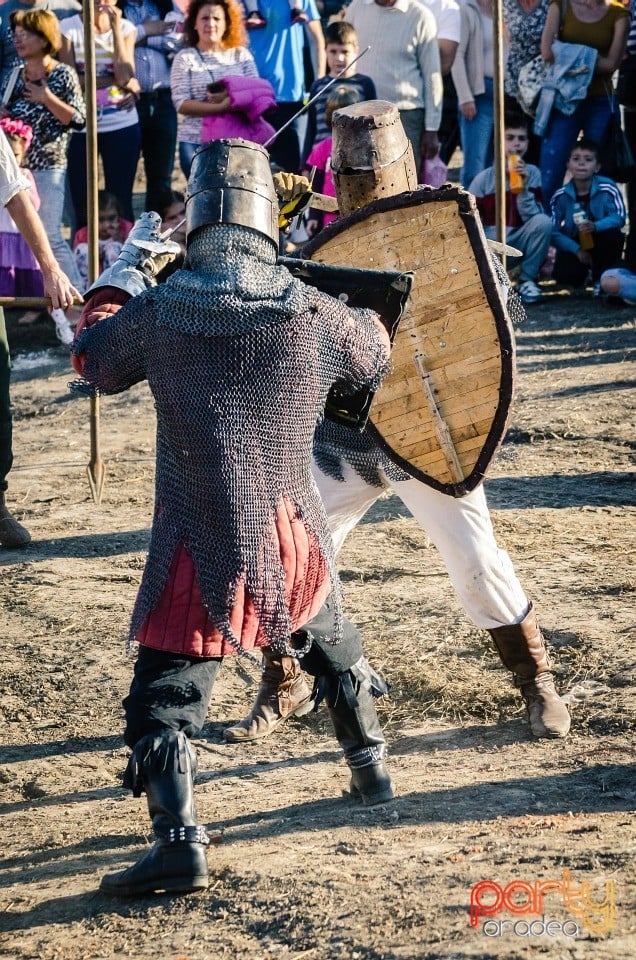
pixel 231 182
pixel 371 156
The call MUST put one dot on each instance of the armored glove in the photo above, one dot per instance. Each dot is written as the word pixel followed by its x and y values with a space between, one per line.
pixel 294 194
pixel 142 256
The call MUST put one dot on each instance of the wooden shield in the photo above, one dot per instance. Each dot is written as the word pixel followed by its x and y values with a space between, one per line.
pixel 442 412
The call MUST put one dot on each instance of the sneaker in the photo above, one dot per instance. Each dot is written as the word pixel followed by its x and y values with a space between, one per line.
pixel 299 16
pixel 63 329
pixel 255 21
pixel 529 291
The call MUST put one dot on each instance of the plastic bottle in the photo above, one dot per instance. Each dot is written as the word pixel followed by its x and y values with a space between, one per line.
pixel 580 216
pixel 515 179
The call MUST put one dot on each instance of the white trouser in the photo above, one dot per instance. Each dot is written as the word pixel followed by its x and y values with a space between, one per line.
pixel 461 529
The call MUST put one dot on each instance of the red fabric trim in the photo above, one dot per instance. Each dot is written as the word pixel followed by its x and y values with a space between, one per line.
pixel 180 623
pixel 487 211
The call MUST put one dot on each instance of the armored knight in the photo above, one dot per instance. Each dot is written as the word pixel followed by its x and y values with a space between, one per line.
pixel 372 159
pixel 240 554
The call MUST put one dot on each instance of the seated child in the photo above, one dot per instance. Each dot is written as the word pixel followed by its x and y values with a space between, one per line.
pixel 588 214
pixel 528 227
pixel 112 232
pixel 256 21
pixel 320 157
pixel 341 43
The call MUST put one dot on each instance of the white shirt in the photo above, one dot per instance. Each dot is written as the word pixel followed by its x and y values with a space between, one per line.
pixel 447 17
pixel 11 180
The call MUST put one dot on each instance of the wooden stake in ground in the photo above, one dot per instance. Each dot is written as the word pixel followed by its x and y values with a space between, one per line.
pixel 96 469
pixel 499 129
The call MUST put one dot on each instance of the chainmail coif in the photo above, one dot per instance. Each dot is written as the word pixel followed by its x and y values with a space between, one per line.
pixel 239 357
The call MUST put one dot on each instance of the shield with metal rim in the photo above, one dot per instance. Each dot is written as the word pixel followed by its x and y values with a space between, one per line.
pixel 443 411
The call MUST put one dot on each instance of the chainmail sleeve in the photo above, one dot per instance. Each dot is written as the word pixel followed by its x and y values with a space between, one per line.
pixel 354 344
pixel 114 350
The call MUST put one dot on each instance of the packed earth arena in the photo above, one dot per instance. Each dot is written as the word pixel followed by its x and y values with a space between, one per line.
pixel 390 460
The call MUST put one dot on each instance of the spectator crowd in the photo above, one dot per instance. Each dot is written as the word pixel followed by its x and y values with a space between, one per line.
pixel 173 74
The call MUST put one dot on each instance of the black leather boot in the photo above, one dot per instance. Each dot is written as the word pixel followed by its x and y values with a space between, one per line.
pixel 164 766
pixel 358 730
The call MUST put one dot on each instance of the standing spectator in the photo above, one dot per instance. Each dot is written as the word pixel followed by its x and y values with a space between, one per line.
pixel 13 187
pixel 473 71
pixel 47 96
pixel 8 54
pixel 602 25
pixel 404 64
pixel 341 47
pixel 154 48
pixel 215 47
pixel 525 20
pixel 60 8
pixel 118 132
pixel 448 19
pixel 278 49
pixel 255 20
pixel 588 215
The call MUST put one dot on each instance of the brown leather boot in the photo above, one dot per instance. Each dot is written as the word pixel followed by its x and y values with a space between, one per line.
pixel 523 651
pixel 12 533
pixel 282 694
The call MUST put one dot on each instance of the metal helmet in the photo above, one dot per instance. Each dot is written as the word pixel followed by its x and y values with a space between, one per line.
pixel 371 155
pixel 231 182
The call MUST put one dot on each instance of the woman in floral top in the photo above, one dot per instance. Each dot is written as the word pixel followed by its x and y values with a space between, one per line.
pixel 525 20
pixel 48 97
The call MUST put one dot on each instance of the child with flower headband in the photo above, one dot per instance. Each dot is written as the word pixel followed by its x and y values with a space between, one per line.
pixel 20 274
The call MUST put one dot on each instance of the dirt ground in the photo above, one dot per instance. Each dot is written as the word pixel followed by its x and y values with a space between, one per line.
pixel 297 871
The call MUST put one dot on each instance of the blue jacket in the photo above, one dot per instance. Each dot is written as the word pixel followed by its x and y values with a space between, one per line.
pixel 607 210
pixel 566 82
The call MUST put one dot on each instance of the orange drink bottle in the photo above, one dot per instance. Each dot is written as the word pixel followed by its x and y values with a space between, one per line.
pixel 585 239
pixel 515 178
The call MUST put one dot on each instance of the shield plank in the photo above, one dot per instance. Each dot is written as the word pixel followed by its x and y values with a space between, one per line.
pixel 442 412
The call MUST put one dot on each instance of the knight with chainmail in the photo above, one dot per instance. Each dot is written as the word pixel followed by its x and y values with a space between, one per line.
pixel 371 159
pixel 239 357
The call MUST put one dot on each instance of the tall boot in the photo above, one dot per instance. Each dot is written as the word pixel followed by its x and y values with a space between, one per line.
pixel 12 533
pixel 282 694
pixel 164 766
pixel 358 731
pixel 523 651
